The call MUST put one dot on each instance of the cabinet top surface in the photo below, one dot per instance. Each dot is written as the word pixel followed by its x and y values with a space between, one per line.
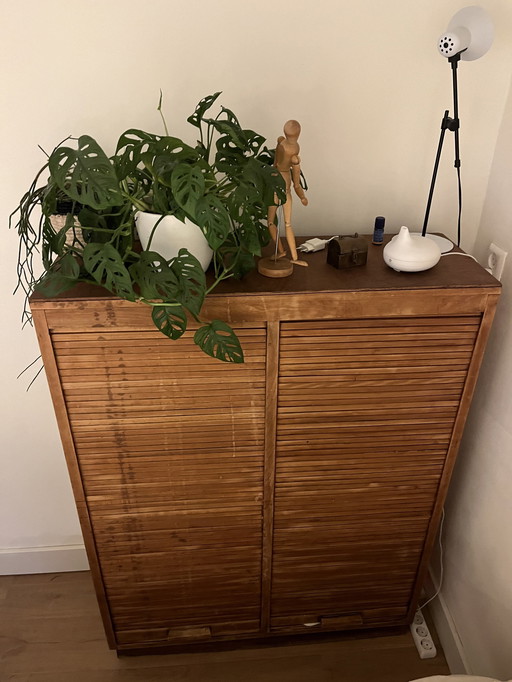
pixel 452 272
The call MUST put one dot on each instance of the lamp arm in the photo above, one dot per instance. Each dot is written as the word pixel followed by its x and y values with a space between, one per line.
pixel 452 124
pixel 445 125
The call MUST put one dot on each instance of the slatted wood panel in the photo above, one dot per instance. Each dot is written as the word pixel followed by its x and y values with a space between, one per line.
pixel 170 448
pixel 366 410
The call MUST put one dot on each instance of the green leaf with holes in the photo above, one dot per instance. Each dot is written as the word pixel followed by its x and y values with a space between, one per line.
pixel 135 139
pixel 231 116
pixel 187 184
pixel 104 263
pixel 267 180
pixel 86 174
pixel 130 147
pixel 171 320
pixel 218 340
pixel 154 276
pixel 254 141
pixel 201 109
pixel 213 218
pixel 250 234
pixel 228 158
pixel 54 283
pixel 233 131
pixel 236 257
pixel 68 266
pixel 191 288
pixel 164 155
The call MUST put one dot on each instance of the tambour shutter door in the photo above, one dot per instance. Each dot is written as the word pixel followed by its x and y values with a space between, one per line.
pixel 169 444
pixel 366 410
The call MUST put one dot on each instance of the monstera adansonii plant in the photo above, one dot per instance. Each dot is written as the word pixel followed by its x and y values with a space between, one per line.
pixel 224 183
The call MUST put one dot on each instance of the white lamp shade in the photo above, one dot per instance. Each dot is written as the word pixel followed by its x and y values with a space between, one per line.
pixel 469 32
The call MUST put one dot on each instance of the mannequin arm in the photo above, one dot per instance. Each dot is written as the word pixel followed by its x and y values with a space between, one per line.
pixel 296 184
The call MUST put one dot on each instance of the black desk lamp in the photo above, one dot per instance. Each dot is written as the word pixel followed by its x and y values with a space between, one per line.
pixel 468 37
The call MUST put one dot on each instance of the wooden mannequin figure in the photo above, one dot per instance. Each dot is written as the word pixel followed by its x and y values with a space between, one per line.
pixel 287 162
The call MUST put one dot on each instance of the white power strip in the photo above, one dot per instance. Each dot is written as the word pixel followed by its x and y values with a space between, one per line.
pixel 421 635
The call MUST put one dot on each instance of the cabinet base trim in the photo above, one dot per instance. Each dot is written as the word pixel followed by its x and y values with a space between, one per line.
pixel 273 638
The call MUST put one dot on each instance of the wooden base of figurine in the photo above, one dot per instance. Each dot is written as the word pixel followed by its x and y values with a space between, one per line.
pixel 270 267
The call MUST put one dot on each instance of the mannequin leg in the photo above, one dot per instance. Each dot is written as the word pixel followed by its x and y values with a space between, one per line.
pixel 290 236
pixel 274 233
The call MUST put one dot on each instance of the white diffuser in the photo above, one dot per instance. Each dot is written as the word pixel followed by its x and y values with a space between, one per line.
pixel 410 253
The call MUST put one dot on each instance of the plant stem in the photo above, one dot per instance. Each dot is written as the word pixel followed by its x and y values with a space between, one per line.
pixel 161 114
pixel 209 137
pixel 101 229
pixel 153 232
pixel 225 275
pixel 136 202
pixel 156 304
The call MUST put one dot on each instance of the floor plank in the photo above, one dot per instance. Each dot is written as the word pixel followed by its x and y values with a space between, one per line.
pixel 51 631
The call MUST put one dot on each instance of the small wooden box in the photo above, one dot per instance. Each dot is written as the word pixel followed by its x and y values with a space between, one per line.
pixel 347 252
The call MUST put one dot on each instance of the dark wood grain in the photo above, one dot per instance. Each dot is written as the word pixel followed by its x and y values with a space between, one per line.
pixel 450 272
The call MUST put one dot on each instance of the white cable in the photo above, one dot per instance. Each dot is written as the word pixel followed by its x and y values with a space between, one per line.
pixel 457 253
pixel 441 569
pixel 314 244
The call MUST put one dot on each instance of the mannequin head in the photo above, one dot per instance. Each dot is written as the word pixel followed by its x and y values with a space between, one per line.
pixel 291 129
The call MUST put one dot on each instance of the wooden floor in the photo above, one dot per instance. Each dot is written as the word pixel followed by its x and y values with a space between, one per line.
pixel 50 631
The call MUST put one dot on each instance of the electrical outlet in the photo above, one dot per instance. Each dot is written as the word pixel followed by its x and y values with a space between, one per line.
pixel 496 260
pixel 421 636
pixel 418 618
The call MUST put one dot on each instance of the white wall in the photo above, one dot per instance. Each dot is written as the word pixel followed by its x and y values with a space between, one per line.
pixel 363 77
pixel 477 587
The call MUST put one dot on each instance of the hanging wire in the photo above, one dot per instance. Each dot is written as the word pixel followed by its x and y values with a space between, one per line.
pixel 35 377
pixel 441 564
pixel 28 367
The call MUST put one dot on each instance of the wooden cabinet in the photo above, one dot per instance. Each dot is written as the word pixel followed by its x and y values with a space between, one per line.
pixel 298 492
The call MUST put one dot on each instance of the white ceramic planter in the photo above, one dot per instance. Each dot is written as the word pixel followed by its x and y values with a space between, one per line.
pixel 171 235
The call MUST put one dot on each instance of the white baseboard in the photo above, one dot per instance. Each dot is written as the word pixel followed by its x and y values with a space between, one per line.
pixel 448 636
pixel 57 559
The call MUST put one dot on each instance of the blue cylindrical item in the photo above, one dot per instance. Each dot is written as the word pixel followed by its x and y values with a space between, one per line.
pixel 378 230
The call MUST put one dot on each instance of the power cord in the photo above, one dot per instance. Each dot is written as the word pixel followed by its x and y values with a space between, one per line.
pixel 441 569
pixel 457 253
